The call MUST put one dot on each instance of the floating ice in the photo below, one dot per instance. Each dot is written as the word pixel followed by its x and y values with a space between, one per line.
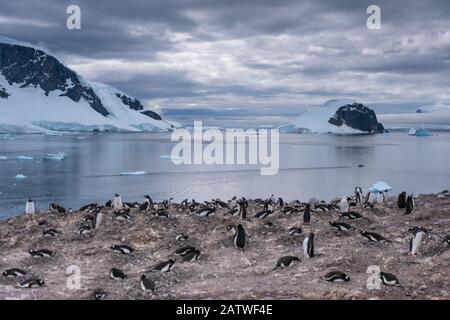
pixel 3 158
pixel 20 177
pixel 133 173
pixel 24 158
pixel 380 186
pixel 170 157
pixel 420 132
pixel 56 156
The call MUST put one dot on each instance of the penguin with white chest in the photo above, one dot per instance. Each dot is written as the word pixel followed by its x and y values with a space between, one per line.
pixel 337 277
pixel 165 266
pixel 358 195
pixel 343 204
pixel 117 203
pixel 308 246
pixel 32 283
pixel 117 274
pixel 30 208
pixel 286 261
pixel 14 273
pixel 416 240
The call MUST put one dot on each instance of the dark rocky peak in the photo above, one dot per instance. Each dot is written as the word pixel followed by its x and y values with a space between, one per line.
pixel 30 67
pixel 357 116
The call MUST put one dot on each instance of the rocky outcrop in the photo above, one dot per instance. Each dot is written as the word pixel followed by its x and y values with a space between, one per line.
pixel 28 67
pixel 357 116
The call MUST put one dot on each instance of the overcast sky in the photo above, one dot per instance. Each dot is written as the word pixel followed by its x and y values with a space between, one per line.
pixel 225 57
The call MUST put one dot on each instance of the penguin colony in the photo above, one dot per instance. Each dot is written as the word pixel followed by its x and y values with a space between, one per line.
pixel 315 221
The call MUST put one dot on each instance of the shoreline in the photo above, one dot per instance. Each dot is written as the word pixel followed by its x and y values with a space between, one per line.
pixel 222 272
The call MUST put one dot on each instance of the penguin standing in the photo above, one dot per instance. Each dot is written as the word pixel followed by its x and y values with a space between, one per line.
pixel 98 219
pixel 242 210
pixel 343 204
pixel 409 204
pixel 30 208
pixel 240 238
pixel 415 241
pixel 401 200
pixel 117 203
pixel 307 213
pixel 358 195
pixel 308 246
pixel 147 284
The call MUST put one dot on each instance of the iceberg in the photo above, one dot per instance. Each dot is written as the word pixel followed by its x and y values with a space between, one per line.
pixel 420 132
pixel 20 177
pixel 3 158
pixel 380 186
pixel 133 173
pixel 24 158
pixel 55 156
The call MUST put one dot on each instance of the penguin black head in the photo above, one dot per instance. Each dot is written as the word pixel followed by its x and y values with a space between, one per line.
pixel 240 227
pixel 311 235
pixel 31 251
pixel 29 200
pixel 117 195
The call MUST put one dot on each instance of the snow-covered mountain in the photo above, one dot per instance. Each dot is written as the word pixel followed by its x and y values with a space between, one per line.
pixel 38 93
pixel 338 116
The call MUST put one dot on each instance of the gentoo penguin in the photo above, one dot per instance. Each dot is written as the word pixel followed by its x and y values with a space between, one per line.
pixel 308 246
pixel 280 202
pixel 165 266
pixel 415 241
pixel 286 261
pixel 307 213
pixel 50 233
pixel 43 253
pixel 98 294
pixel 389 279
pixel 341 226
pixel 117 203
pixel 191 256
pixel 343 204
pixel 289 210
pixel 267 210
pixel 117 274
pixel 147 284
pixel 242 210
pixel 56 208
pixel 205 212
pixel 123 215
pixel 337 276
pixel 30 208
pixel 220 204
pixel 351 215
pixel 373 237
pixel 185 250
pixel 401 200
pixel 240 237
pixel 409 204
pixel 162 213
pixel 182 237
pixel 122 248
pixel 98 219
pixel 13 273
pixel 147 205
pixel 108 204
pixel 358 195
pixel 295 231
pixel 32 283
pixel 369 200
pixel 84 230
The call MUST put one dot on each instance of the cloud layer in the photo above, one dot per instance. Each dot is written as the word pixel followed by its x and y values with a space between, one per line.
pixel 202 57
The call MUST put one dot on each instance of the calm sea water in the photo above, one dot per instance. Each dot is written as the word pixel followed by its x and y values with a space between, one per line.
pixel 321 166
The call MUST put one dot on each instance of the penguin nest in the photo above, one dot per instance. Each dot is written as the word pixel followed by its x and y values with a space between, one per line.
pixel 224 272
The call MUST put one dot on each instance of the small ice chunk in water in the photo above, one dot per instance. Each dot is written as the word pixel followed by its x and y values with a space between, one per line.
pixel 169 157
pixel 24 158
pixel 133 173
pixel 56 156
pixel 3 158
pixel 380 186
pixel 20 177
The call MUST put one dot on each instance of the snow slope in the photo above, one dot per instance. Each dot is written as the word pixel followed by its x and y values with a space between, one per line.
pixel 27 109
pixel 316 120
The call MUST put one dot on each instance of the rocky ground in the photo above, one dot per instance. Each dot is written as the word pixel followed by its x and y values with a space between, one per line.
pixel 223 272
